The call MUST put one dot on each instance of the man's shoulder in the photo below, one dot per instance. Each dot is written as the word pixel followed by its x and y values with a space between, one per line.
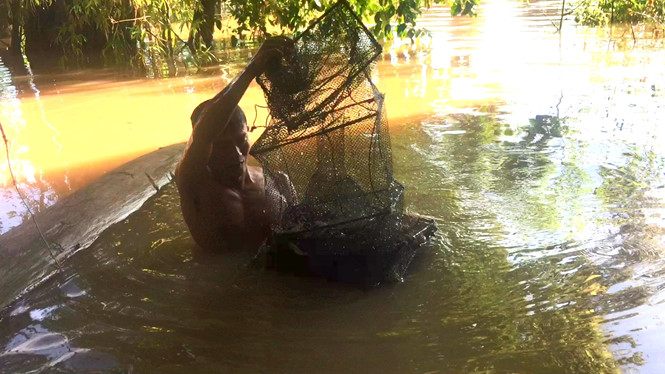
pixel 192 183
pixel 194 161
pixel 190 169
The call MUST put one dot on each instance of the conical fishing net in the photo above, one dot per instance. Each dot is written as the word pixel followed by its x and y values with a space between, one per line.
pixel 327 160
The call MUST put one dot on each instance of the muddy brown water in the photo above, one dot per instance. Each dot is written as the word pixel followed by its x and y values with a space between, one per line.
pixel 540 158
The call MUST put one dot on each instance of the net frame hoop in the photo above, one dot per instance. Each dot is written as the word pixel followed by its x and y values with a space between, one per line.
pixel 381 213
pixel 259 150
pixel 308 136
pixel 372 39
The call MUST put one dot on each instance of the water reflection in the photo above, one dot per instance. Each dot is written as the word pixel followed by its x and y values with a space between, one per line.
pixel 75 127
pixel 542 164
pixel 532 258
pixel 35 192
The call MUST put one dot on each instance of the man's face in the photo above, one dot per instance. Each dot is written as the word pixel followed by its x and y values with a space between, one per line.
pixel 228 161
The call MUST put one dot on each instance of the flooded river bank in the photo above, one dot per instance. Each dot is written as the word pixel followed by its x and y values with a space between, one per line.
pixel 539 156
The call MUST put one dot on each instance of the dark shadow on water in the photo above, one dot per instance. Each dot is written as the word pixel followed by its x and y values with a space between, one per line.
pixel 475 300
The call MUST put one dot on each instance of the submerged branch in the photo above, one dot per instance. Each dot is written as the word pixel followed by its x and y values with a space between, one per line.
pixel 20 195
pixel 563 6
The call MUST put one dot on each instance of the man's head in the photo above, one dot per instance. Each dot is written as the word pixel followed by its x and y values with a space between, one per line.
pixel 228 160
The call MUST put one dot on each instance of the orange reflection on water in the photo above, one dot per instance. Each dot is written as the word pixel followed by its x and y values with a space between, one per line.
pixel 93 124
pixel 67 130
pixel 86 125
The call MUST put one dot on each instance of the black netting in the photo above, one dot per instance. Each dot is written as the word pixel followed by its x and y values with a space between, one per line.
pixel 326 153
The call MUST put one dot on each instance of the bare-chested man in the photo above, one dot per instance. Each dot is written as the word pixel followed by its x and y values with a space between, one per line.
pixel 222 199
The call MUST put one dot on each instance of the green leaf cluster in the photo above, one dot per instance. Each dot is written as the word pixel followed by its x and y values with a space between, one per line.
pixel 388 18
pixel 605 12
pixel 160 35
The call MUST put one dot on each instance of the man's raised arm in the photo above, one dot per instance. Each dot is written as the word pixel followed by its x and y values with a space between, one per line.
pixel 212 116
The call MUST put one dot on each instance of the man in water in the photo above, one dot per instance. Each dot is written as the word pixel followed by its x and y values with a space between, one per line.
pixel 222 199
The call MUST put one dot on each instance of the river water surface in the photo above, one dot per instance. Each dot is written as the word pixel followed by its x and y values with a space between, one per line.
pixel 539 155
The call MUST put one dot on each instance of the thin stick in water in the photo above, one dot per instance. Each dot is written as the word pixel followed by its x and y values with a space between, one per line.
pixel 20 195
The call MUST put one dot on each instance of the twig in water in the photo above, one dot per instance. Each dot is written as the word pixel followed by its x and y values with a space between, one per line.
pixel 563 5
pixel 152 181
pixel 32 216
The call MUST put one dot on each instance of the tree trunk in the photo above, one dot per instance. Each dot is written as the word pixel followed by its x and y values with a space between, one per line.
pixel 193 40
pixel 204 25
pixel 170 55
pixel 17 26
pixel 208 24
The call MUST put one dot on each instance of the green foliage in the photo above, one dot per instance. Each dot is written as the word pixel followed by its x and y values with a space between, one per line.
pixel 389 17
pixel 463 7
pixel 148 33
pixel 601 13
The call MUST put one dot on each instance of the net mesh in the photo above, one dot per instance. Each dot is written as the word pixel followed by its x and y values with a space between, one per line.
pixel 327 159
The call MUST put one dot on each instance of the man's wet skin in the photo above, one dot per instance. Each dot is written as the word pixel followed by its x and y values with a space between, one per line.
pixel 229 151
pixel 222 199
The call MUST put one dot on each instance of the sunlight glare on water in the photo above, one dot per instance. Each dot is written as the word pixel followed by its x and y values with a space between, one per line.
pixel 539 157
pixel 78 126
